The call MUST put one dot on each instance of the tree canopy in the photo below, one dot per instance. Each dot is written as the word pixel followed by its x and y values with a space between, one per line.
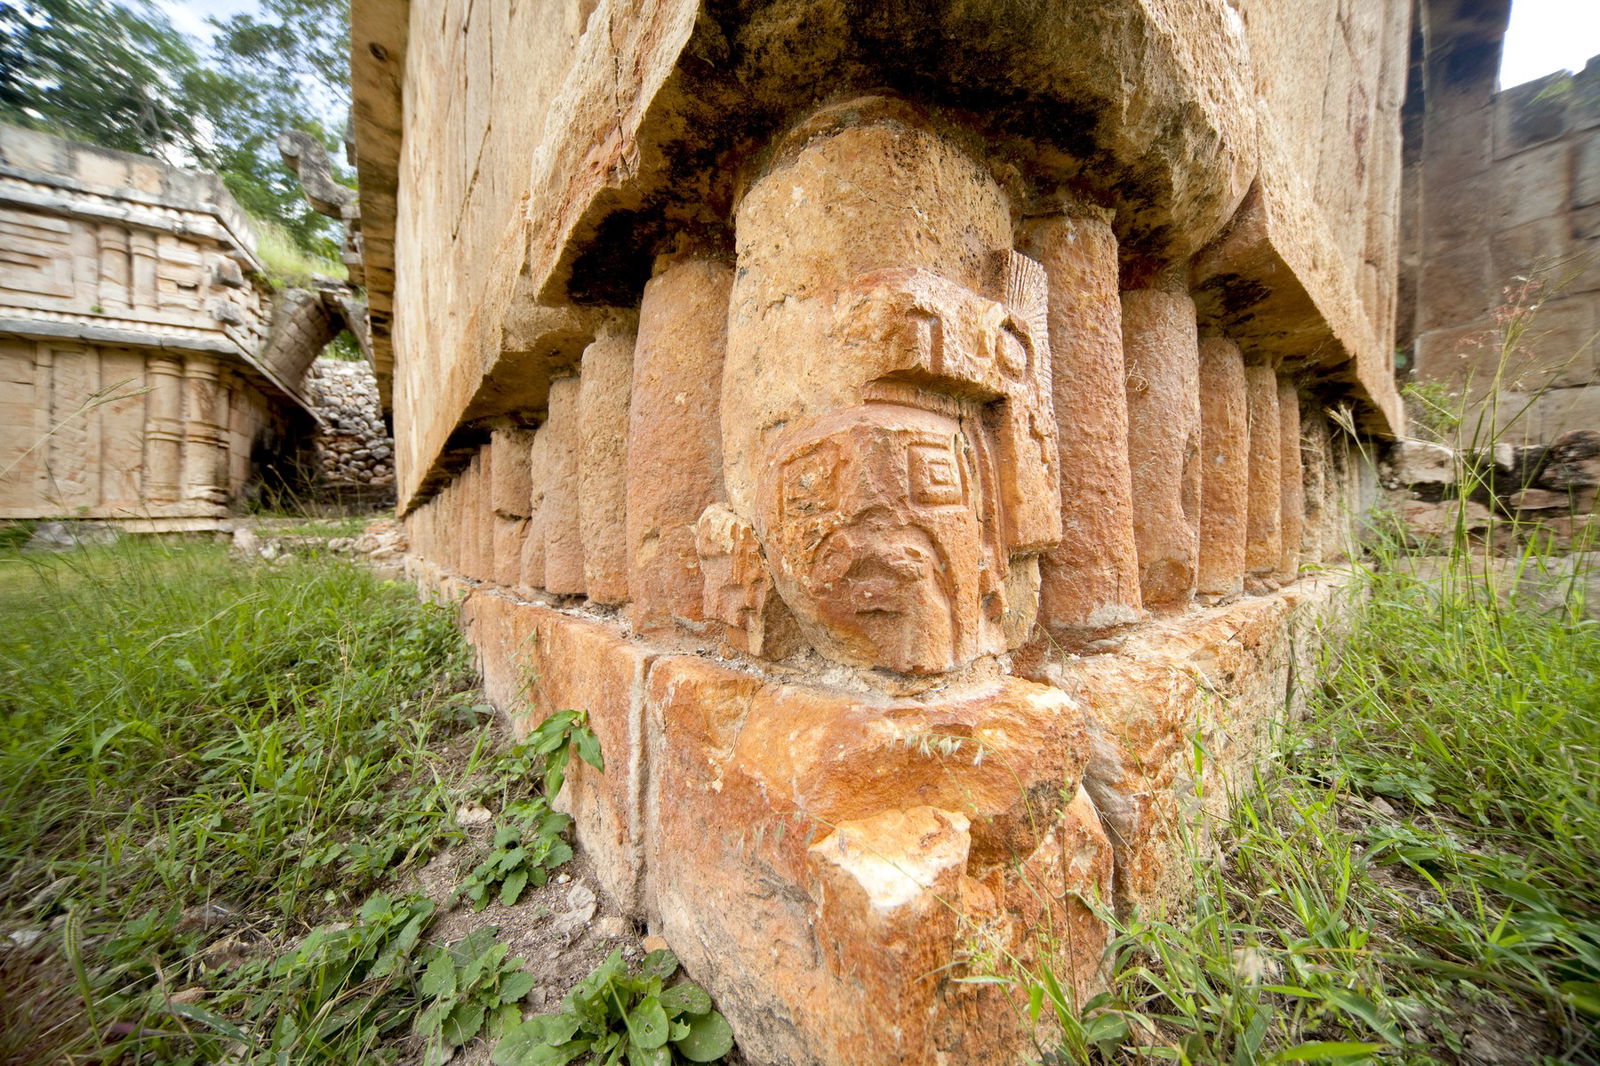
pixel 119 74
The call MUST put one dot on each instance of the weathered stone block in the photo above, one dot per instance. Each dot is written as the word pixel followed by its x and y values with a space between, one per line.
pixel 1534 184
pixel 864 847
pixel 563 537
pixel 1264 526
pixel 537 661
pixel 1161 351
pixel 1530 114
pixel 675 436
pixel 1225 468
pixel 1091 580
pixel 603 392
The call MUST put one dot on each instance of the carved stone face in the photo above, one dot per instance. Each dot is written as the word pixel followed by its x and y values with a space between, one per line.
pixel 874 535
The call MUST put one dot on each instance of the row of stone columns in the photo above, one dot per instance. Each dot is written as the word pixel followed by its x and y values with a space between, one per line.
pixel 1180 461
pixel 603 498
pixel 186 431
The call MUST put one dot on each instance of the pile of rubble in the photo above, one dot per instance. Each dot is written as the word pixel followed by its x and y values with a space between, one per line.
pixel 355 447
pixel 1548 488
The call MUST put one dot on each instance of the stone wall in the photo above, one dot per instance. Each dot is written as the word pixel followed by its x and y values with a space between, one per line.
pixel 911 433
pixel 352 445
pixel 1508 185
pixel 132 318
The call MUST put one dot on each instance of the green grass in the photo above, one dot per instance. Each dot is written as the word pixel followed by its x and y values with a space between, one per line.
pixel 287 264
pixel 1414 881
pixel 190 746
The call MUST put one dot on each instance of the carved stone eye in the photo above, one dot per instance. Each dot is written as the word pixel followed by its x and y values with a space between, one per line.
pixel 1011 352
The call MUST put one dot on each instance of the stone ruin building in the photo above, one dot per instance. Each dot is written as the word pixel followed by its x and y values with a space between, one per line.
pixel 914 433
pixel 152 376
pixel 1502 188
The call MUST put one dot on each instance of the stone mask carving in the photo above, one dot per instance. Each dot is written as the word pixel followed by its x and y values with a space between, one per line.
pixel 889 528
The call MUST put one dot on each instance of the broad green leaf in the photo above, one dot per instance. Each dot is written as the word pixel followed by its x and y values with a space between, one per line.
pixel 511 888
pixel 662 964
pixel 658 1056
pixel 210 1020
pixel 463 1023
pixel 685 999
pixel 516 986
pixel 709 1038
pixel 647 1023
pixel 589 749
pixel 1366 1010
pixel 439 979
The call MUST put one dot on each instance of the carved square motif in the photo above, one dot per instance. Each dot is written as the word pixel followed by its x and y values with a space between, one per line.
pixel 935 475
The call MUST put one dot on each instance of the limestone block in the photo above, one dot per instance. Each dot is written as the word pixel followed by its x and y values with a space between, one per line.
pixel 509 534
pixel 534 537
pixel 603 393
pixel 1436 521
pixel 1534 184
pixel 1557 411
pixel 1530 114
pixel 1291 475
pixel 1586 170
pixel 1455 285
pixel 1091 580
pixel 511 451
pixel 563 540
pixel 1264 539
pixel 1573 461
pixel 1538 500
pixel 1225 468
pixel 1409 463
pixel 882 850
pixel 675 436
pixel 1161 351
pixel 538 661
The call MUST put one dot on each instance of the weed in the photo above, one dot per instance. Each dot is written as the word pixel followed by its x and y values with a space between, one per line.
pixel 473 987
pixel 613 1016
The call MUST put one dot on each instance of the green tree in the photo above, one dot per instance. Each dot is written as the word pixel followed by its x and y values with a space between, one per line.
pixel 120 75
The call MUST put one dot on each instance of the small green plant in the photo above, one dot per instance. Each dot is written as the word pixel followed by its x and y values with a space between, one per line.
pixel 614 1016
pixel 527 846
pixel 527 842
pixel 473 988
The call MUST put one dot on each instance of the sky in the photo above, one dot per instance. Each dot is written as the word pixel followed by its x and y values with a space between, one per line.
pixel 190 16
pixel 1548 35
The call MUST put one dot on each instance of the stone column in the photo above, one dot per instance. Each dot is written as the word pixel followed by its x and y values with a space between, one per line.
pixel 482 504
pixel 533 540
pixel 115 268
pixel 1161 349
pixel 1224 466
pixel 142 248
pixel 675 436
pixel 563 542
pixel 603 391
pixel 1316 486
pixel 164 430
pixel 1291 475
pixel 1091 580
pixel 510 494
pixel 205 434
pixel 1264 539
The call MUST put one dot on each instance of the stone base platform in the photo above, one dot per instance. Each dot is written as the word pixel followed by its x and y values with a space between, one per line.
pixel 832 863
